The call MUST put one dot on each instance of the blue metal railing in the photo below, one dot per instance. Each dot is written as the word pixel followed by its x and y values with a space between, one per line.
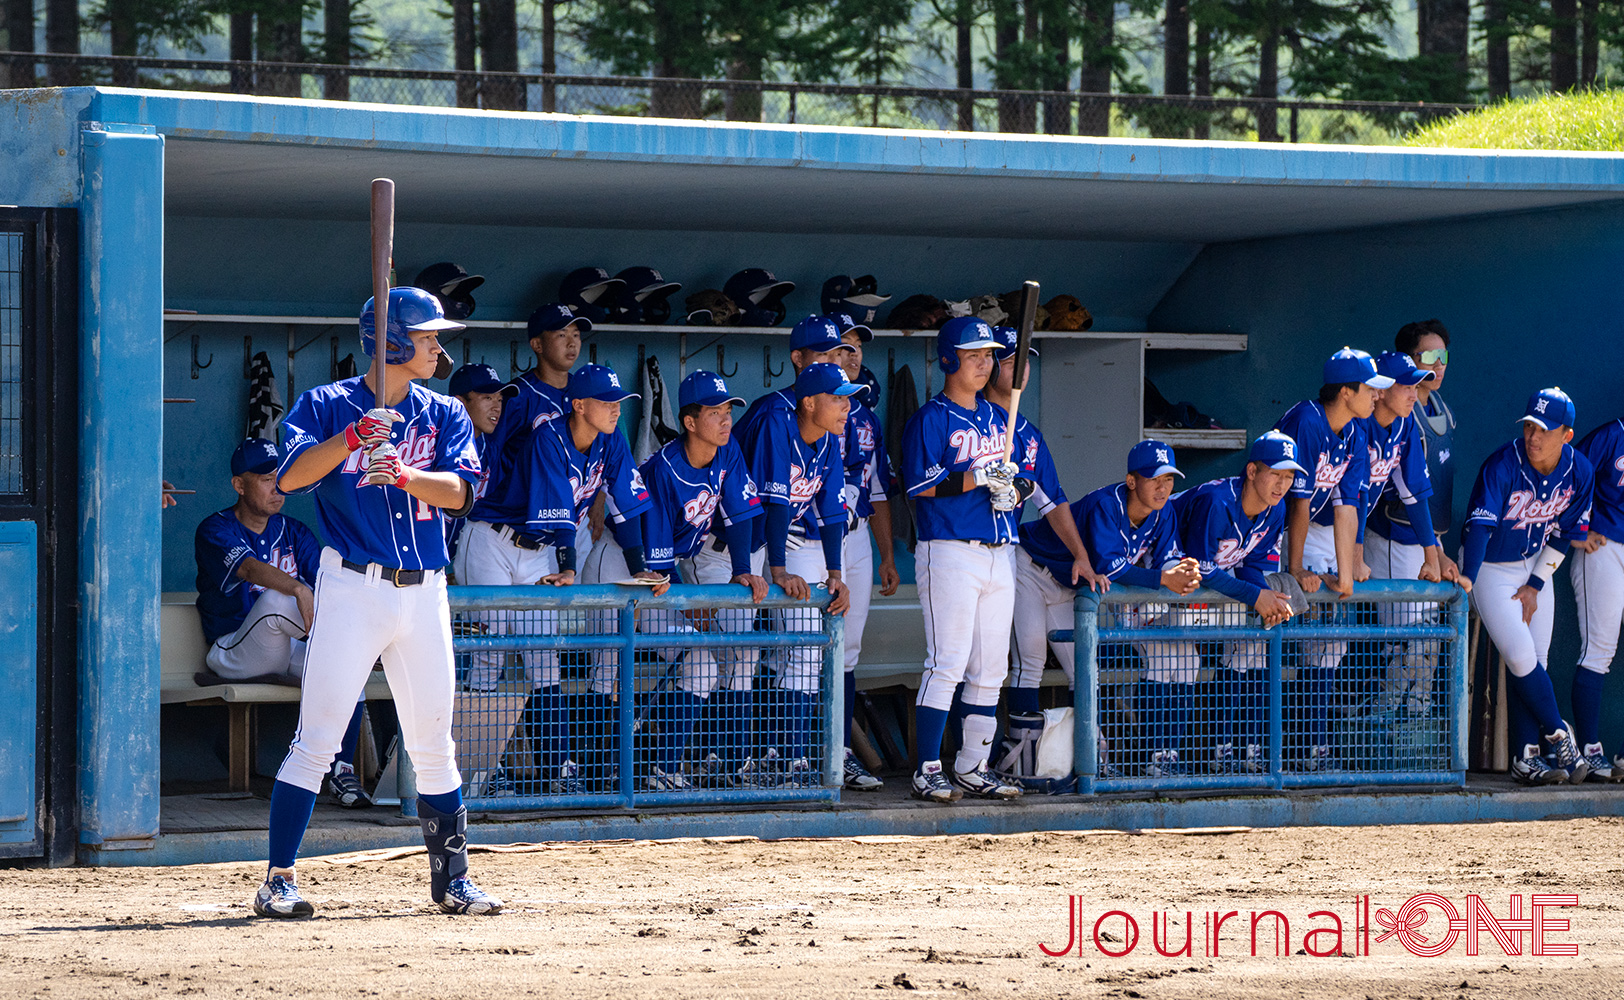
pixel 622 606
pixel 1374 737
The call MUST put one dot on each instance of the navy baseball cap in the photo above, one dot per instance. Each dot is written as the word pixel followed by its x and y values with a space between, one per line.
pixel 824 377
pixel 555 316
pixel 1349 365
pixel 1151 458
pixel 479 378
pixel 816 333
pixel 1277 451
pixel 1402 370
pixel 846 324
pixel 597 382
pixel 703 388
pixel 1008 337
pixel 254 455
pixel 1549 409
pixel 965 333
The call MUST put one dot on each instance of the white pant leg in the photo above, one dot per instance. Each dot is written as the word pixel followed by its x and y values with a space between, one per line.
pixel 737 665
pixel 1042 604
pixel 1410 665
pixel 269 641
pixel 1319 556
pixel 988 666
pixel 488 559
pixel 606 563
pixel 951 576
pixel 1240 655
pixel 1598 587
pixel 1170 662
pixel 857 569
pixel 802 664
pixel 1522 645
pixel 422 678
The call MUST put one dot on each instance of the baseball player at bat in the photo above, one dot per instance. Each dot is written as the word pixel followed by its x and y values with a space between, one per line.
pixel 868 526
pixel 1231 528
pixel 697 484
pixel 1531 501
pixel 1406 549
pixel 1597 572
pixel 966 502
pixel 1325 519
pixel 382 470
pixel 570 461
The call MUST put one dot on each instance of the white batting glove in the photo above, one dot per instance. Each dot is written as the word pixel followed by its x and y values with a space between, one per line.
pixel 994 475
pixel 1004 498
pixel 384 467
pixel 371 430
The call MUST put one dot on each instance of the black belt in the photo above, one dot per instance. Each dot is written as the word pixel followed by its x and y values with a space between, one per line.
pixel 398 577
pixel 528 542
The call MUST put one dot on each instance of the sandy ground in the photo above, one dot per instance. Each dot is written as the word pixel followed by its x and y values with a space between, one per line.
pixel 958 916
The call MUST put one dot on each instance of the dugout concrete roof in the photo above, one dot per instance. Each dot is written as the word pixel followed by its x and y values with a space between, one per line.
pixel 280 158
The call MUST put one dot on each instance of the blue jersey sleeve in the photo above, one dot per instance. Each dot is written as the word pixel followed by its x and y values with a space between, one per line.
pixel 740 501
pixel 879 471
pixel 1573 525
pixel 1263 559
pixel 831 506
pixel 772 457
pixel 1488 498
pixel 1102 536
pixel 547 472
pixel 1355 484
pixel 1604 448
pixel 456 449
pixel 628 495
pixel 303 428
pixel 220 550
pixel 659 527
pixel 924 444
pixel 1311 442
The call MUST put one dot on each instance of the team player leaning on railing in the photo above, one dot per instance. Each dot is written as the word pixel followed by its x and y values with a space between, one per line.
pixel 1344 487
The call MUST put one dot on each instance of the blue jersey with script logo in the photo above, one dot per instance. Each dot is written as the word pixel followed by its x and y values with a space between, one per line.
pixel 1033 461
pixel 1523 508
pixel 808 478
pixel 746 427
pixel 683 501
pixel 1398 471
pixel 868 469
pixel 1121 550
pixel 1338 463
pixel 223 542
pixel 1236 552
pixel 1604 448
pixel 561 481
pixel 505 499
pixel 382 524
pixel 943 437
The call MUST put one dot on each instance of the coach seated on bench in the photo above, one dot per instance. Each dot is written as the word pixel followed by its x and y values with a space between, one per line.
pixel 254 571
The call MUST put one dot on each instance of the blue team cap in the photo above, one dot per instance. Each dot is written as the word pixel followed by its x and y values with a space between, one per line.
pixel 597 382
pixel 1277 450
pixel 703 388
pixel 824 377
pixel 1349 365
pixel 816 333
pixel 254 455
pixel 479 378
pixel 965 333
pixel 1151 458
pixel 1008 337
pixel 1549 409
pixel 845 324
pixel 556 316
pixel 1402 370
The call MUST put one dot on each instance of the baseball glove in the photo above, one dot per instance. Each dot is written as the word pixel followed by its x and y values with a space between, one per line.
pixel 1066 313
pixel 1011 303
pixel 710 308
pixel 988 308
pixel 918 312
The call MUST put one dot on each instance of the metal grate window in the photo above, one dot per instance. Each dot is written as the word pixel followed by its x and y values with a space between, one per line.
pixel 11 362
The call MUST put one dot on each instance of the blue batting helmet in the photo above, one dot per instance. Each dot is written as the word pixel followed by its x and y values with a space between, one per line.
pixel 962 333
pixel 409 309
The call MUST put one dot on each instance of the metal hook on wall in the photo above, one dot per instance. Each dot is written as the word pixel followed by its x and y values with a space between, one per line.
pixel 513 357
pixel 767 372
pixel 334 374
pixel 196 366
pixel 592 353
pixel 248 356
pixel 721 363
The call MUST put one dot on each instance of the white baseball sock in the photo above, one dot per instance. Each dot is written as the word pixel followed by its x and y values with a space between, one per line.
pixel 978 734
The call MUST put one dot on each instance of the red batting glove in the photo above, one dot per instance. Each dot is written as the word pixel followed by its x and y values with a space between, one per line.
pixel 384 467
pixel 371 430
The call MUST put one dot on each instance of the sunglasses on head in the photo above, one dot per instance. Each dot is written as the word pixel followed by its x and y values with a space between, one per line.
pixel 1437 356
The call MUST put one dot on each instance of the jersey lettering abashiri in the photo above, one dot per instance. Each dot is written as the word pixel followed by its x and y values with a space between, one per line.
pixel 943 437
pixel 1236 552
pixel 1033 462
pixel 223 542
pixel 1604 448
pixel 1338 463
pixel 806 477
pixel 382 524
pixel 505 499
pixel 561 481
pixel 684 501
pixel 868 468
pixel 1112 540
pixel 1398 473
pixel 1524 509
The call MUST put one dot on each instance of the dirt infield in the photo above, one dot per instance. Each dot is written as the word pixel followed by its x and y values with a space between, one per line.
pixel 937 916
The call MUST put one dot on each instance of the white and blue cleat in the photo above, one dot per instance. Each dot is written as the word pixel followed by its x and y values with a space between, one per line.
pixel 463 896
pixel 278 896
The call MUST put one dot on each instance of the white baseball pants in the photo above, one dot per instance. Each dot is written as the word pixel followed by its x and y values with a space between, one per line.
pixel 360 618
pixel 1598 586
pixel 269 641
pixel 1410 665
pixel 1494 594
pixel 966 589
pixel 737 665
pixel 1319 556
pixel 698 673
pixel 486 558
pixel 857 566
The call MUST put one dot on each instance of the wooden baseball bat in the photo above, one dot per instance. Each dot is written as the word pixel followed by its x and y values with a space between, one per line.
pixel 383 253
pixel 1023 346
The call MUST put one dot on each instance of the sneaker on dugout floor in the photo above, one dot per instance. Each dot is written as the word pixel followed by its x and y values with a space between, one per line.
pixel 665 781
pixel 760 772
pixel 801 774
pixel 980 782
pixel 568 781
pixel 278 896
pixel 463 896
pixel 1600 768
pixel 1164 764
pixel 346 787
pixel 711 773
pixel 858 778
pixel 1320 761
pixel 930 783
pixel 499 782
pixel 1565 754
pixel 1533 769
